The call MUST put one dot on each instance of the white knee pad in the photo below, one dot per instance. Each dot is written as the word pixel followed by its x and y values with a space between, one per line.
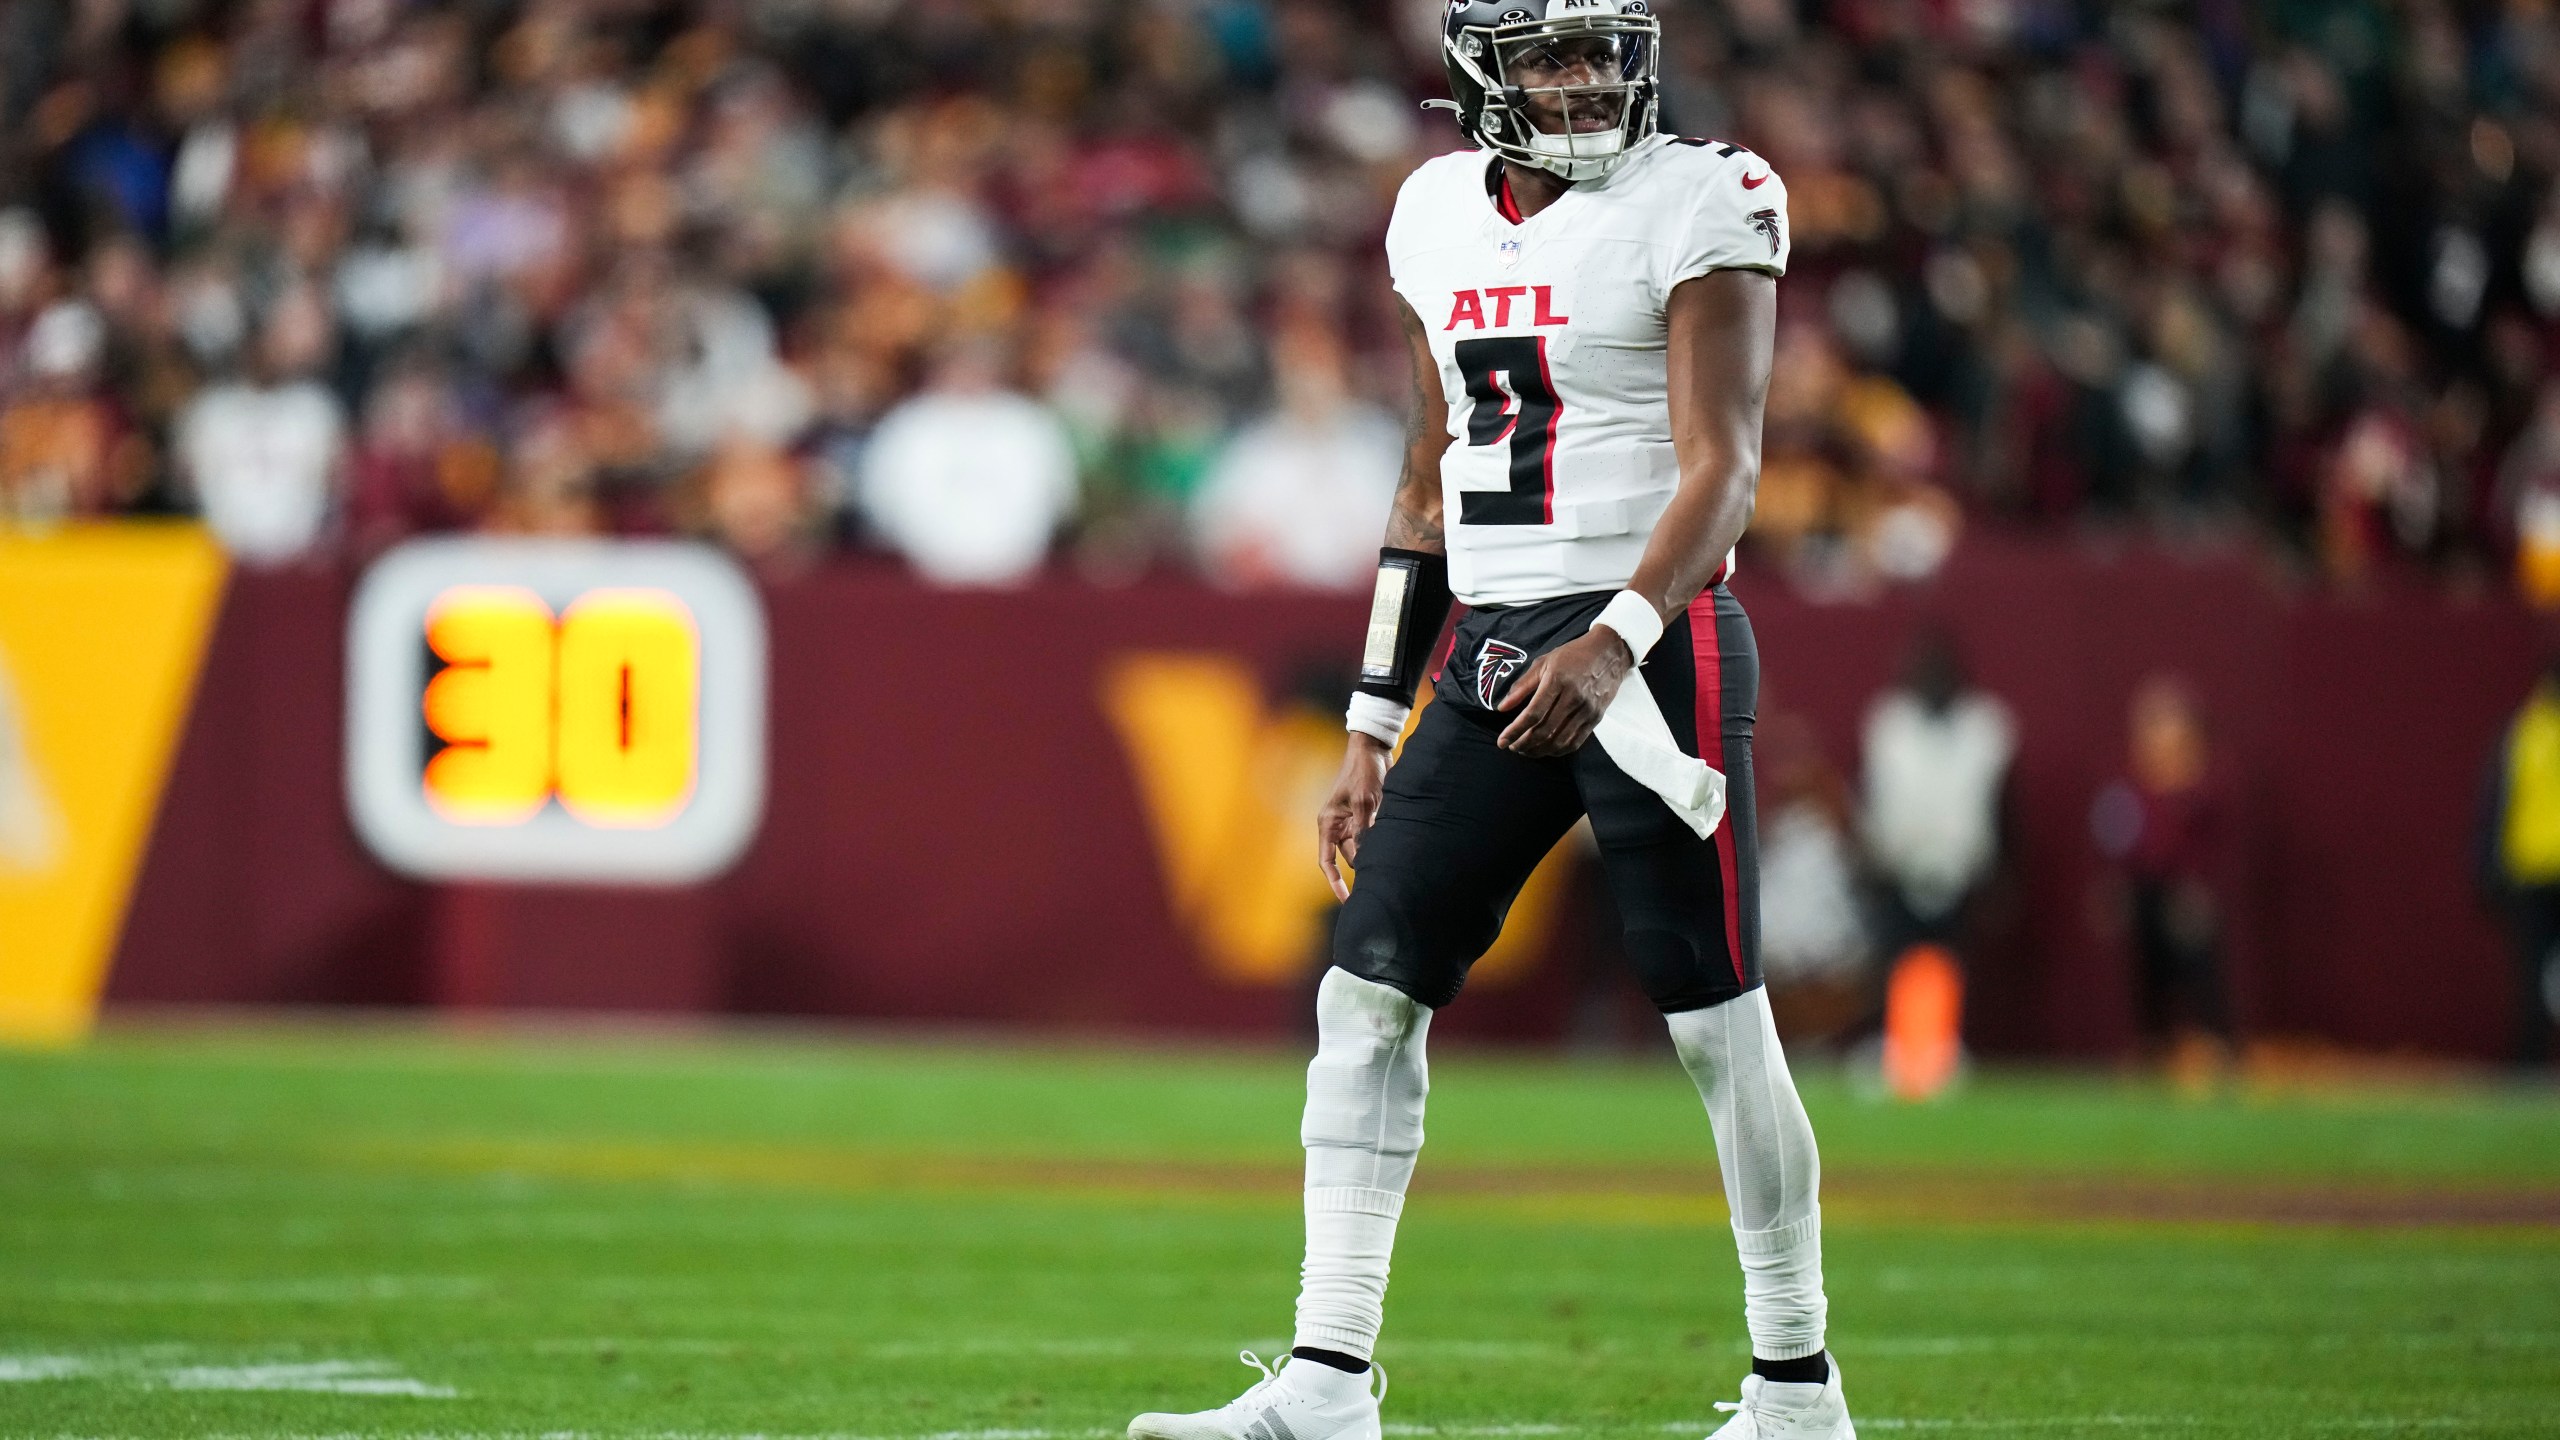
pixel 1772 1172
pixel 1365 1088
pixel 1363 1132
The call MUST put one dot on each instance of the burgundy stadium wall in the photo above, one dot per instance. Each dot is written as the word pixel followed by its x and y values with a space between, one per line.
pixel 953 832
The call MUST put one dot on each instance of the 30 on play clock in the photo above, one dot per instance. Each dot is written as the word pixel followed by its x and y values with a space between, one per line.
pixel 556 710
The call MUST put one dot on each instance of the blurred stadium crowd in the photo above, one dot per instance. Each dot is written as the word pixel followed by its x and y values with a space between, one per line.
pixel 977 281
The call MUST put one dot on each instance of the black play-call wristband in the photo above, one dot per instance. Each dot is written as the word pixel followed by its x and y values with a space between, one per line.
pixel 1406 615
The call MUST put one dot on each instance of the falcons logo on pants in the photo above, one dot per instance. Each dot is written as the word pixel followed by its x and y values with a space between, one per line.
pixel 1496 662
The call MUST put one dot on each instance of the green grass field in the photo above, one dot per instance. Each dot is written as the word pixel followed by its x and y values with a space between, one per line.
pixel 307 1231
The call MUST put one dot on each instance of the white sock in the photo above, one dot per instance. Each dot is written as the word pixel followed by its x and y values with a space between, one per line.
pixel 1363 1131
pixel 1772 1174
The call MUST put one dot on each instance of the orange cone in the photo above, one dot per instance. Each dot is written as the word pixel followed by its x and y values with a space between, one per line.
pixel 1923 1022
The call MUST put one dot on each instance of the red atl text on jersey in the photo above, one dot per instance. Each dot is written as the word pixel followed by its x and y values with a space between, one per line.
pixel 1468 305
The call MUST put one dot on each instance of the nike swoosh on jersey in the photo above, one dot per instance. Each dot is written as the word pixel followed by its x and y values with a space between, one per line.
pixel 1754 182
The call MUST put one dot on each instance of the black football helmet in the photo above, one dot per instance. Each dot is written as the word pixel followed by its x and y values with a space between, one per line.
pixel 1567 86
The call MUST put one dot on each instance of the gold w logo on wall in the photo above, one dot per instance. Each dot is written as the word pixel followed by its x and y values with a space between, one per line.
pixel 30 823
pixel 103 629
pixel 1231 789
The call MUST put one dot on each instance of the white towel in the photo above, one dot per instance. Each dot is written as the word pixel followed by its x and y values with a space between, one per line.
pixel 1634 733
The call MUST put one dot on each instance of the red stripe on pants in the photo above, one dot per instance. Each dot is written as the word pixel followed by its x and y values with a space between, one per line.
pixel 1709 658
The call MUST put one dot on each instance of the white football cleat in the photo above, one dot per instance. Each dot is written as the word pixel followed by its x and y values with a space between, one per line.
pixel 1300 1401
pixel 1775 1411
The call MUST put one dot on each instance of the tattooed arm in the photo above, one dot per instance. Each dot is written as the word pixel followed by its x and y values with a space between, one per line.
pixel 1413 524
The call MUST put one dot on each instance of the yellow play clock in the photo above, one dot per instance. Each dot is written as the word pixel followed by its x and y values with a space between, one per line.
pixel 549 710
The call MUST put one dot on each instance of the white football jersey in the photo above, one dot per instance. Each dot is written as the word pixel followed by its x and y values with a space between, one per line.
pixel 1552 341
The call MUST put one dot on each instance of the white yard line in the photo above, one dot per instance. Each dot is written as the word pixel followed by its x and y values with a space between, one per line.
pixel 316 1377
pixel 321 1377
pixel 2040 1425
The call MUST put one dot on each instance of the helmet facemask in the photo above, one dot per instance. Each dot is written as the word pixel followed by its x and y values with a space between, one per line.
pixel 1571 96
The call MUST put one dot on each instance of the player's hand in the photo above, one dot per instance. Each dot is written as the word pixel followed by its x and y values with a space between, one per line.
pixel 1559 699
pixel 1349 811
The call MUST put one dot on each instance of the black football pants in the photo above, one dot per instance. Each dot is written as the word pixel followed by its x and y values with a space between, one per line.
pixel 1464 821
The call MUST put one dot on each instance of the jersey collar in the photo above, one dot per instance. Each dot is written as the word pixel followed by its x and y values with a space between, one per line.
pixel 1497 189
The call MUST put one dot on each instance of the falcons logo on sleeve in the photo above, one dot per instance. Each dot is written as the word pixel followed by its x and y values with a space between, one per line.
pixel 1496 662
pixel 1766 222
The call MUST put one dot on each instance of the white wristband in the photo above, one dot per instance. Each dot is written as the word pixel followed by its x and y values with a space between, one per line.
pixel 1633 617
pixel 1376 716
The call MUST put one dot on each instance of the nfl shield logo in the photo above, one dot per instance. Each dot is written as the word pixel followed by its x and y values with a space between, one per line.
pixel 1510 253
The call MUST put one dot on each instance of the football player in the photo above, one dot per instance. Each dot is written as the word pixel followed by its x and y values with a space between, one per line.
pixel 1591 307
